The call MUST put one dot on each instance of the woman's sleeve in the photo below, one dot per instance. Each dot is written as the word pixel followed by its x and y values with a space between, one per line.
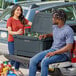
pixel 26 21
pixel 9 23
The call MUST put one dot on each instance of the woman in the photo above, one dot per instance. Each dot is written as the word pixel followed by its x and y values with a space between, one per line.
pixel 15 25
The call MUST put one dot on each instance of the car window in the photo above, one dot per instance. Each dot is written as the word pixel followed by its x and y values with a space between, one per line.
pixel 6 14
pixel 68 9
pixel 69 12
pixel 47 10
pixel 30 15
pixel 74 10
pixel 25 12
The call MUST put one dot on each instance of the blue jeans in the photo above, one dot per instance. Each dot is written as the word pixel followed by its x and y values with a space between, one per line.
pixel 11 52
pixel 45 61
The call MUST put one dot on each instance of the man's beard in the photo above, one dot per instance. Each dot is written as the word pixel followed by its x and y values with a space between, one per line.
pixel 55 23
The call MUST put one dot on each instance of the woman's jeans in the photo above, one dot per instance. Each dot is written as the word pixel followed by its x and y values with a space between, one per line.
pixel 45 61
pixel 11 52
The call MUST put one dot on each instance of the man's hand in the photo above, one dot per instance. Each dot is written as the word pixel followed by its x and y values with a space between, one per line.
pixel 42 36
pixel 50 54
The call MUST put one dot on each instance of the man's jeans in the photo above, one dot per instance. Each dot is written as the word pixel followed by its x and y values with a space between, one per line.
pixel 11 52
pixel 45 61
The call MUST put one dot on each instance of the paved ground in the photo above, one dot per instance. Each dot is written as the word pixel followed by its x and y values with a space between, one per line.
pixel 26 72
pixel 3 48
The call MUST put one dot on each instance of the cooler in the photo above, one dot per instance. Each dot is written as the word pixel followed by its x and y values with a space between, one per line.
pixel 30 45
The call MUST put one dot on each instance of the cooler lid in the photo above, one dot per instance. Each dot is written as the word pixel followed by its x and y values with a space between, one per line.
pixel 42 23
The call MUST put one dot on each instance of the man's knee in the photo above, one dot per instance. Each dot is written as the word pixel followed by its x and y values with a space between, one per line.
pixel 44 62
pixel 33 61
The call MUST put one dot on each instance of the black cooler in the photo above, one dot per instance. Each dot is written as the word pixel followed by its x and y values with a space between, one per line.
pixel 30 45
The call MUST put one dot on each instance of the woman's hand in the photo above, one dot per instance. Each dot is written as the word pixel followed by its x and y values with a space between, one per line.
pixel 30 23
pixel 19 31
pixel 14 32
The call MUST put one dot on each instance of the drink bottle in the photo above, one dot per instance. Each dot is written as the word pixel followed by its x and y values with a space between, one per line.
pixel 11 73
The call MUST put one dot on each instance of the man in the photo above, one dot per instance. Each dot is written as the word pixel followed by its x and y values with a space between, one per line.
pixel 60 50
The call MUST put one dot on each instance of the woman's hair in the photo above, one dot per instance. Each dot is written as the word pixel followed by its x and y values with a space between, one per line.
pixel 60 14
pixel 21 17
